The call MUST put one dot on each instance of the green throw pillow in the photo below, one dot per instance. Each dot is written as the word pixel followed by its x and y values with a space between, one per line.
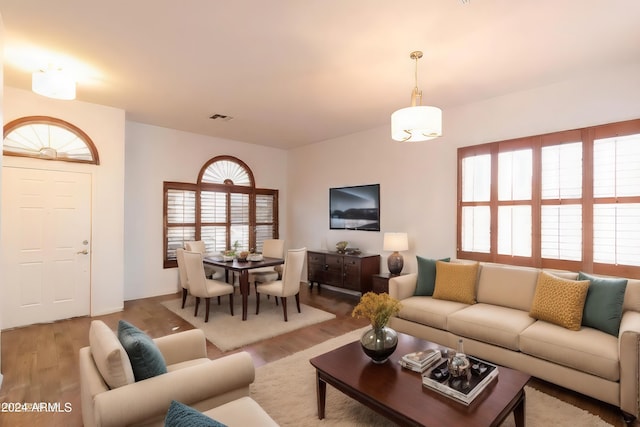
pixel 144 355
pixel 181 415
pixel 603 307
pixel 427 276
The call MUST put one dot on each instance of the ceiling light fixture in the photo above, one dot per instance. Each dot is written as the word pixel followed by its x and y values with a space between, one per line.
pixel 418 122
pixel 54 83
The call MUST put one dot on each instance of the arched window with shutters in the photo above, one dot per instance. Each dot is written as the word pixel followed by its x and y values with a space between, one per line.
pixel 224 209
pixel 48 138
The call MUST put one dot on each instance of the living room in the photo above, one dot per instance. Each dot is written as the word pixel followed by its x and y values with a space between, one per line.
pixel 418 181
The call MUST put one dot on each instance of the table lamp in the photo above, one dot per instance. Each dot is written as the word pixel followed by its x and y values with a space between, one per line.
pixel 395 242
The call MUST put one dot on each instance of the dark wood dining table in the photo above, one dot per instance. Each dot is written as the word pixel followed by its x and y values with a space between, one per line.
pixel 242 268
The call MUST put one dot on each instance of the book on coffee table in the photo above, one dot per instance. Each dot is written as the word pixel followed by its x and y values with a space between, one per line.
pixel 418 361
pixel 482 373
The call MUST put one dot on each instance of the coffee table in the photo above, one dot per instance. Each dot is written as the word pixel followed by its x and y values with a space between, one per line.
pixel 398 393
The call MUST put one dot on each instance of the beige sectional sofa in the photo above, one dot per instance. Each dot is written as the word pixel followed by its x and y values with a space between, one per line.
pixel 498 328
pixel 219 388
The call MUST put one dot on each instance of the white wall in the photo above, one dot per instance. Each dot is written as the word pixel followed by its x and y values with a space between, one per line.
pixel 1 157
pixel 418 181
pixel 155 155
pixel 105 126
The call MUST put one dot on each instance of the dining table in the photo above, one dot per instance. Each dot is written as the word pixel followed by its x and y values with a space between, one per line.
pixel 242 268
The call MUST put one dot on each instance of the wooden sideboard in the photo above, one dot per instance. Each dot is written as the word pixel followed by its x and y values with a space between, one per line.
pixel 353 272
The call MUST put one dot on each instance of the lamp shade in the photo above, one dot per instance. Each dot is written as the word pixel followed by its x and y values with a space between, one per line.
pixel 418 123
pixel 395 242
pixel 53 83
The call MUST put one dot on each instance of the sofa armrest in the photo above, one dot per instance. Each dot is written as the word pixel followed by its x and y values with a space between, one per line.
pixel 228 378
pixel 401 287
pixel 629 342
pixel 182 346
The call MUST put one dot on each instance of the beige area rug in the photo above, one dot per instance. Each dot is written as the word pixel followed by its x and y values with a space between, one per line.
pixel 229 332
pixel 286 389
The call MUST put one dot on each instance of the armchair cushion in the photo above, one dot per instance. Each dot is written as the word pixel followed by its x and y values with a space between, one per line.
pixel 181 415
pixel 426 275
pixel 603 306
pixel 146 359
pixel 109 356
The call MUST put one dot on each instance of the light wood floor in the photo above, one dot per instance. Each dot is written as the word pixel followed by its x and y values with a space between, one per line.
pixel 40 362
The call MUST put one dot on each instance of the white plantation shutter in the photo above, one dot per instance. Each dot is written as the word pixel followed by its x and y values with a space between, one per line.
pixel 476 226
pixel 616 178
pixel 264 219
pixel 561 223
pixel 476 178
pixel 181 219
pixel 239 220
pixel 514 175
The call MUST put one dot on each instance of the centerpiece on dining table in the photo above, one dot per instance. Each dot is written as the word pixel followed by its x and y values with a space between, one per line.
pixel 380 341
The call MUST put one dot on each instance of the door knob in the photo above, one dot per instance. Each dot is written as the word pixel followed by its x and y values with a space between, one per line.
pixel 83 252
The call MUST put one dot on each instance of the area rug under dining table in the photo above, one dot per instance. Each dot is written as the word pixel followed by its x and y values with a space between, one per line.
pixel 229 332
pixel 286 390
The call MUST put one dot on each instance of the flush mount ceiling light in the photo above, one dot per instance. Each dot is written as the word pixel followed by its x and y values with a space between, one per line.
pixel 418 122
pixel 54 83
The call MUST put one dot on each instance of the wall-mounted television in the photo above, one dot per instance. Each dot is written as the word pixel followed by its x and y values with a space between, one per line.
pixel 355 208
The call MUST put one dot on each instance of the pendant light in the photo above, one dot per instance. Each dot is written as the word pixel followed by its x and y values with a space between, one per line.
pixel 418 122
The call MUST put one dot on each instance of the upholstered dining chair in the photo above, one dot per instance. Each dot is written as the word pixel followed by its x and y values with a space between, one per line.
pixel 201 287
pixel 182 274
pixel 199 246
pixel 271 248
pixel 289 285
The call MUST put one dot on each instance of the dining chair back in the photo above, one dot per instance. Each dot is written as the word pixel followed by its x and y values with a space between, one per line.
pixel 293 271
pixel 201 247
pixel 182 274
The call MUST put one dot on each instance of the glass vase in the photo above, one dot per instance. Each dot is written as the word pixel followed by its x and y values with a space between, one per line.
pixel 379 343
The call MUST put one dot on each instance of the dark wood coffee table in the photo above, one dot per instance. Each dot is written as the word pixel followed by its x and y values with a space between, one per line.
pixel 398 394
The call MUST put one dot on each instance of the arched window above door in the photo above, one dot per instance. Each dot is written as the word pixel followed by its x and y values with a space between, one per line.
pixel 48 138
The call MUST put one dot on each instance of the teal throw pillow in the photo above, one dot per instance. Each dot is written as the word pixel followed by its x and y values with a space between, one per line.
pixel 427 276
pixel 181 415
pixel 144 355
pixel 603 306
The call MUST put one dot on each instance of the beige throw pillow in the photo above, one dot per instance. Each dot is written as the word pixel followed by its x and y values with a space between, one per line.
pixel 559 301
pixel 456 282
pixel 110 357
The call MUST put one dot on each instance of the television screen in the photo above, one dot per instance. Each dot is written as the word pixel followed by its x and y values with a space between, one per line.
pixel 355 208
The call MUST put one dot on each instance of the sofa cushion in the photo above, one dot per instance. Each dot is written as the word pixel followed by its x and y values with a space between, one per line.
pixel 181 415
pixel 109 356
pixel 492 324
pixel 632 295
pixel 146 359
pixel 242 412
pixel 603 306
pixel 559 301
pixel 427 275
pixel 456 282
pixel 507 286
pixel 428 311
pixel 588 349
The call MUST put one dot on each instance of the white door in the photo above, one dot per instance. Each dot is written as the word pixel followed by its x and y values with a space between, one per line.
pixel 46 231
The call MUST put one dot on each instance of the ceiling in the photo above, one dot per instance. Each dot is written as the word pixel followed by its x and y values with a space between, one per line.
pixel 295 72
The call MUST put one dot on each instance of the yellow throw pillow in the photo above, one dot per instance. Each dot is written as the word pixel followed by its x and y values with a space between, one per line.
pixel 456 282
pixel 559 301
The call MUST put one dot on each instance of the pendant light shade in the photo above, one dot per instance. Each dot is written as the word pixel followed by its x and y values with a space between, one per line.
pixel 417 122
pixel 53 83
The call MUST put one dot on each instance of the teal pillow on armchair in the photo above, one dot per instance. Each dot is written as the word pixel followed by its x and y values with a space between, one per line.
pixel 427 276
pixel 603 306
pixel 145 356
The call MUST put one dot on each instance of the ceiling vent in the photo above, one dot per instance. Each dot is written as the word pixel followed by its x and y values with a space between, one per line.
pixel 221 117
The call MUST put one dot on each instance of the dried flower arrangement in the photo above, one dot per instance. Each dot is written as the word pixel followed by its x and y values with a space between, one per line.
pixel 378 308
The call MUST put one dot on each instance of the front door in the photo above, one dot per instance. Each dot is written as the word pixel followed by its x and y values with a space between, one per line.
pixel 46 246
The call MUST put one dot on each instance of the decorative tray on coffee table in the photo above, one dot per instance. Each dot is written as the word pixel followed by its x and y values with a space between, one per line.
pixel 438 379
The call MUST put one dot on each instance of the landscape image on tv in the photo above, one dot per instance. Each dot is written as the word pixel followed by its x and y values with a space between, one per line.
pixel 355 208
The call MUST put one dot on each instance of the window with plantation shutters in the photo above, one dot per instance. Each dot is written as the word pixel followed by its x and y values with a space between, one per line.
pixel 224 209
pixel 567 200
